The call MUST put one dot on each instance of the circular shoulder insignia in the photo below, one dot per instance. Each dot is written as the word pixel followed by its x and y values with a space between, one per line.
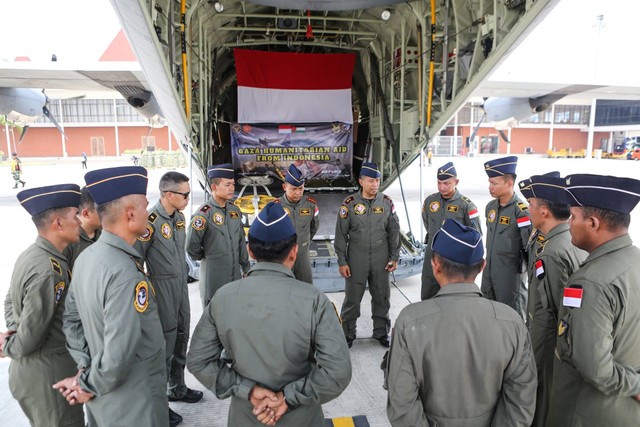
pixel 492 215
pixel 166 231
pixel 360 209
pixel 146 236
pixel 344 212
pixel 141 300
pixel 218 219
pixel 287 210
pixel 434 206
pixel 562 327
pixel 58 290
pixel 198 222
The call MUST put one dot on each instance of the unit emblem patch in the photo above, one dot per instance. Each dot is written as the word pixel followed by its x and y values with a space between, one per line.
pixel 198 222
pixel 59 290
pixel 146 236
pixel 218 219
pixel 562 327
pixel 491 216
pixel 166 231
pixel 434 206
pixel 344 212
pixel 141 300
pixel 360 209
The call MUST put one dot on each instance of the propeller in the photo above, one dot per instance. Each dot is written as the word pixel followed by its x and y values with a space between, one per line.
pixel 48 115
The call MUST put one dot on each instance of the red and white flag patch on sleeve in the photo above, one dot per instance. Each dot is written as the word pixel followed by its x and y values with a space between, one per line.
pixel 539 269
pixel 524 221
pixel 572 297
pixel 473 214
pixel 316 211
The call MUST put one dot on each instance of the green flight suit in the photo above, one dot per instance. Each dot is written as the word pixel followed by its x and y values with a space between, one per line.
pixel 435 210
pixel 534 246
pixel 73 250
pixel 596 371
pixel 367 238
pixel 504 279
pixel 555 260
pixel 113 331
pixel 458 359
pixel 163 249
pixel 304 216
pixel 39 357
pixel 277 333
pixel 216 237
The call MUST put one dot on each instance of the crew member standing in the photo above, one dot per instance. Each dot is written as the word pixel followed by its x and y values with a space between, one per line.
pixel 508 230
pixel 446 203
pixel 303 212
pixel 596 372
pixel 111 317
pixel 554 261
pixel 367 242
pixel 35 303
pixel 90 227
pixel 216 235
pixel 162 247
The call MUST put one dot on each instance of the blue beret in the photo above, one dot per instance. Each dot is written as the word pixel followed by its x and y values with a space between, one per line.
pixel 458 243
pixel 602 191
pixel 501 166
pixel 106 185
pixel 294 176
pixel 272 224
pixel 447 171
pixel 548 186
pixel 370 169
pixel 38 200
pixel 224 170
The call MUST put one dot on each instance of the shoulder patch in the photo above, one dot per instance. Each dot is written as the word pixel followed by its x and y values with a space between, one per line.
pixel 344 212
pixel 205 208
pixel 141 298
pixel 572 296
pixel 198 222
pixel 146 236
pixel 55 265
pixel 523 206
pixel 312 200
pixel 58 291
pixel 348 200
pixel 152 217
pixel 540 269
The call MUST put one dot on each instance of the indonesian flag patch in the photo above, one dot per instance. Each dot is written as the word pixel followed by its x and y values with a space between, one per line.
pixel 524 221
pixel 540 269
pixel 473 214
pixel 572 297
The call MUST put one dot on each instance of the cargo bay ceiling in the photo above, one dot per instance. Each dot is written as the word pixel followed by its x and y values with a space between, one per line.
pixel 411 76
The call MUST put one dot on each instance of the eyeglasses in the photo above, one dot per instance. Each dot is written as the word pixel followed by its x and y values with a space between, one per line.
pixel 185 195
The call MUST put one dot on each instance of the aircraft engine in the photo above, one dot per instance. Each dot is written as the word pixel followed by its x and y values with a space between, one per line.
pixel 21 105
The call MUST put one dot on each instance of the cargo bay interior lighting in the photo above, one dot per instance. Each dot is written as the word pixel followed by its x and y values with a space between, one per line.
pixel 218 6
pixel 385 15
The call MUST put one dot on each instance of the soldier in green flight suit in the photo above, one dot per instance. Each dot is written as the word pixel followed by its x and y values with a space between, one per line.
pixel 270 342
pixel 446 203
pixel 111 317
pixel 303 212
pixel 508 229
pixel 162 247
pixel 555 259
pixel 90 227
pixel 216 235
pixel 35 303
pixel 367 243
pixel 596 372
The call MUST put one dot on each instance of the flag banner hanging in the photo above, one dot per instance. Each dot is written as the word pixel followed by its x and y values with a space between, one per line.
pixel 287 87
pixel 321 152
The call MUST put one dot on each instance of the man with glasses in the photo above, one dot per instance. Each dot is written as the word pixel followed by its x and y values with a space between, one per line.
pixel 162 247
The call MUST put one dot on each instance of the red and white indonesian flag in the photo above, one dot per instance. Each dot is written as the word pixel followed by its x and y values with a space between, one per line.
pixel 572 297
pixel 285 87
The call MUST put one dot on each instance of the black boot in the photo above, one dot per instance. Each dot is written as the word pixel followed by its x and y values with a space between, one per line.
pixel 174 418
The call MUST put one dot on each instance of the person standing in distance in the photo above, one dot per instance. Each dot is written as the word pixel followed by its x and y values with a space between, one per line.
pixel 596 372
pixel 554 261
pixel 216 235
pixel 446 203
pixel 33 310
pixel 270 342
pixel 457 358
pixel 508 229
pixel 162 247
pixel 111 320
pixel 16 171
pixel 303 212
pixel 367 242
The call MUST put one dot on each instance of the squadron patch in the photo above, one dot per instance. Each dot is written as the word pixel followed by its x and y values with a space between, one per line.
pixel 504 220
pixel 540 269
pixel 198 222
pixel 166 231
pixel 146 236
pixel 218 219
pixel 55 265
pixel 378 209
pixel 141 299
pixel 233 215
pixel 58 291
pixel 180 225
pixel 452 208
pixel 152 217
pixel 491 217
pixel 344 212
pixel 360 209
pixel 434 206
pixel 562 327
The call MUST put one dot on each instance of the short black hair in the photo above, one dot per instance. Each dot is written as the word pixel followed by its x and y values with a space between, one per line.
pixel 512 176
pixel 170 179
pixel 106 210
pixel 560 211
pixel 86 201
pixel 43 218
pixel 453 269
pixel 272 251
pixel 613 220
